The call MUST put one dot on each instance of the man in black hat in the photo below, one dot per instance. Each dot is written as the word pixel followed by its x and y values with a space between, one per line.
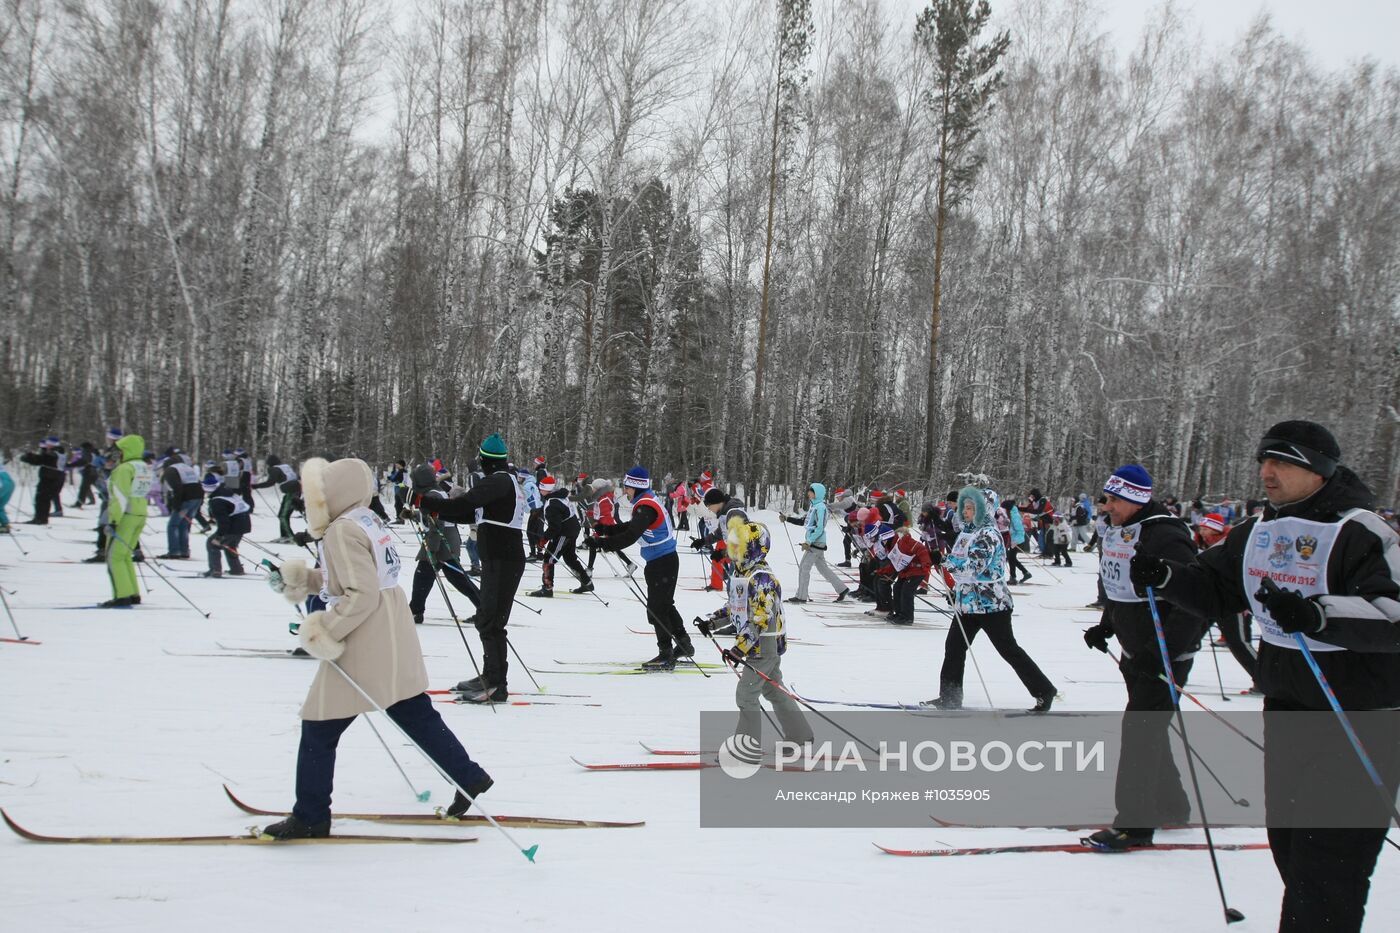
pixel 1319 562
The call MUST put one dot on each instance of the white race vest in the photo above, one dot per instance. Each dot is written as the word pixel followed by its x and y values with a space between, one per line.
pixel 188 474
pixel 517 519
pixel 239 504
pixel 1293 552
pixel 1116 554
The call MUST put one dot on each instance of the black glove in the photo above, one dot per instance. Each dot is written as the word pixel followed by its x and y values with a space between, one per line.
pixel 733 656
pixel 430 504
pixel 303 538
pixel 697 543
pixel 705 626
pixel 1293 611
pixel 1097 636
pixel 1145 571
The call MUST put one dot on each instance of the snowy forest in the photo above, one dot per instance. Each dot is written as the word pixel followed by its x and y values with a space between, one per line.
pixel 695 234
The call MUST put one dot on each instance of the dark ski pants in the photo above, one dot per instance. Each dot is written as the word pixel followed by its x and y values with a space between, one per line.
pixel 661 574
pixel 884 593
pixel 417 716
pixel 1148 791
pixel 562 549
pixel 284 514
pixel 45 498
pixel 85 493
pixel 904 590
pixel 1326 872
pixel 1014 565
pixel 424 577
pixel 499 581
pixel 400 496
pixel 1061 553
pixel 997 625
pixel 227 546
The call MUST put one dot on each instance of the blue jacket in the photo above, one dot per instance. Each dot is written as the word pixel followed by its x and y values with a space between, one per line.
pixel 978 559
pixel 814 528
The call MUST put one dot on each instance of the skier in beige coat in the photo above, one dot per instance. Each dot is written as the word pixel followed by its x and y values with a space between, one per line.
pixel 368 632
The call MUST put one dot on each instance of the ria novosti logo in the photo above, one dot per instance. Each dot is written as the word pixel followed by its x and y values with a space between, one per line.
pixel 740 756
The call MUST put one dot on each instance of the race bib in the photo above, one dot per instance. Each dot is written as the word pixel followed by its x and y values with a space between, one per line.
pixel 140 480
pixel 1115 557
pixel 1292 552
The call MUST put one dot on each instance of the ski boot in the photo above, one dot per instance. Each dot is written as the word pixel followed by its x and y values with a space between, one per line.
pixel 841 596
pixel 1043 703
pixel 1118 840
pixel 542 593
pixel 794 599
pixel 664 661
pixel 461 803
pixel 475 685
pixel 488 694
pixel 293 828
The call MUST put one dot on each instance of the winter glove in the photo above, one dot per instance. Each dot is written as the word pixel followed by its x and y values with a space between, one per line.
pixel 274 578
pixel 1147 571
pixel 782 516
pixel 806 546
pixel 697 543
pixel 429 505
pixel 296 582
pixel 303 538
pixel 732 656
pixel 705 626
pixel 1293 611
pixel 410 514
pixel 1097 636
pixel 317 640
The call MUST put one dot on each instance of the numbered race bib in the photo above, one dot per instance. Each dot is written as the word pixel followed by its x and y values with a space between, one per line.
pixel 140 480
pixel 1292 552
pixel 1115 556
pixel 381 541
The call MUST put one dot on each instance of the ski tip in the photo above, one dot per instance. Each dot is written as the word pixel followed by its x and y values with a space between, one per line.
pixel 530 852
pixel 423 797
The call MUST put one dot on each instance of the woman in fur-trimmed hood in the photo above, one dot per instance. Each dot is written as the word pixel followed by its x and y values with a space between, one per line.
pixel 364 635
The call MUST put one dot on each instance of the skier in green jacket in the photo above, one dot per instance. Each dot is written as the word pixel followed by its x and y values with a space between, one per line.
pixel 126 516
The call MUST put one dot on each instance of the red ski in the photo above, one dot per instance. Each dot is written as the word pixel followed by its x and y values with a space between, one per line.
pixel 1074 848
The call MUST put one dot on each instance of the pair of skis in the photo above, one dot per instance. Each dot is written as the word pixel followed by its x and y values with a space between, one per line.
pixel 255 837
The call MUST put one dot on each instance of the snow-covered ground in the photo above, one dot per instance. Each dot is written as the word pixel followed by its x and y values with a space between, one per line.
pixel 117 724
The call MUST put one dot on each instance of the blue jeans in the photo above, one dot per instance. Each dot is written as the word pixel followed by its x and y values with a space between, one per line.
pixel 319 738
pixel 177 530
pixel 473 553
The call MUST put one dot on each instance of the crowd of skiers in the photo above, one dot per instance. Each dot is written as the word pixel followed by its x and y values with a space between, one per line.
pixel 1314 565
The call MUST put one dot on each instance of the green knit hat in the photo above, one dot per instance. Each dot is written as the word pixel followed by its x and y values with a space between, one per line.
pixel 494 447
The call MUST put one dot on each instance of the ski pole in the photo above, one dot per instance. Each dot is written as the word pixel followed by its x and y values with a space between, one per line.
pixel 783 688
pixel 957 620
pixel 421 795
pixel 1270 586
pixel 437 578
pixel 9 612
pixel 635 590
pixel 1231 914
pixel 15 538
pixel 1215 656
pixel 791 547
pixel 1194 699
pixel 528 853
pixel 156 570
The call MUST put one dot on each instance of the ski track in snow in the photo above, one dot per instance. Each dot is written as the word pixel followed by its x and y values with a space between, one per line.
pixel 103 732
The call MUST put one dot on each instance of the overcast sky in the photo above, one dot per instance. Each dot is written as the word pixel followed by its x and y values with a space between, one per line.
pixel 1337 32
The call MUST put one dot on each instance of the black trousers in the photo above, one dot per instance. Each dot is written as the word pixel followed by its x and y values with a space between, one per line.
pixel 85 494
pixel 884 592
pixel 534 530
pixel 46 496
pixel 499 581
pixel 320 738
pixel 1014 565
pixel 424 577
pixel 1148 791
pixel 562 549
pixel 1326 873
pixel 997 625
pixel 227 546
pixel 661 575
pixel 904 590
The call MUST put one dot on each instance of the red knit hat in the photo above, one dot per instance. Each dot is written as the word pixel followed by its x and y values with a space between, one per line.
pixel 548 485
pixel 1212 521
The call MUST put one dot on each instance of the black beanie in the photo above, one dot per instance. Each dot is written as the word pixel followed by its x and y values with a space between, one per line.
pixel 423 476
pixel 1304 443
pixel 715 496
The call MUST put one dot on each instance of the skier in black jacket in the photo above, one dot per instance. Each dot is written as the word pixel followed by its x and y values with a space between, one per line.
pixel 1148 791
pixel 562 527
pixel 496 505
pixel 234 520
pixel 1336 571
pixel 440 549
pixel 284 477
pixel 46 492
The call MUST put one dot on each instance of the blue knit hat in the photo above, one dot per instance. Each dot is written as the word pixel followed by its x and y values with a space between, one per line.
pixel 115 434
pixel 1130 482
pixel 52 440
pixel 637 478
pixel 211 482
